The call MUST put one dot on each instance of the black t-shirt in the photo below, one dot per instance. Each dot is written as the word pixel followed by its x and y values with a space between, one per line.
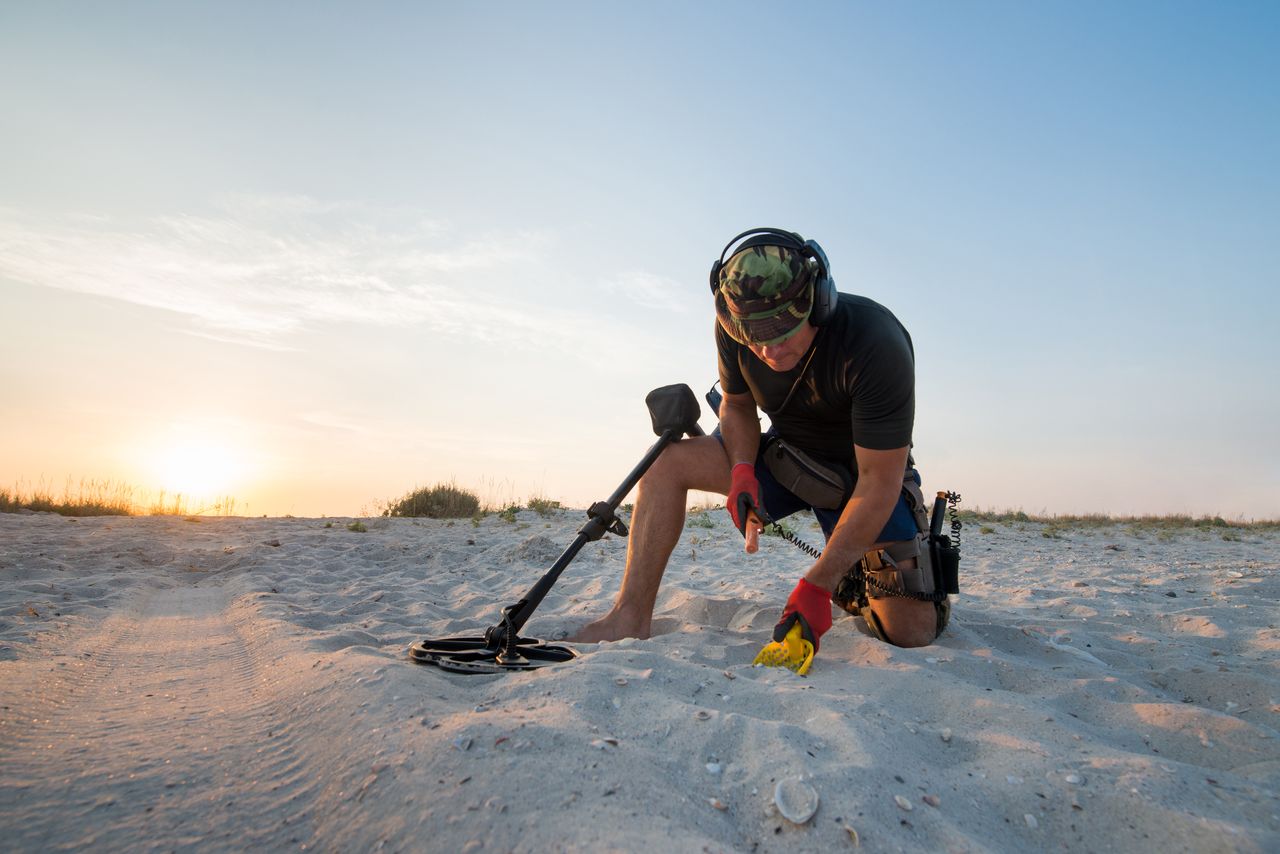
pixel 859 387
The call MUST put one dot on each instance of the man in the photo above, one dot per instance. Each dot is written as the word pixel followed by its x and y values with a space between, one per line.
pixel 835 373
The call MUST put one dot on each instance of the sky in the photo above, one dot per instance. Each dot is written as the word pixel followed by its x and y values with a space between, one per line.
pixel 312 256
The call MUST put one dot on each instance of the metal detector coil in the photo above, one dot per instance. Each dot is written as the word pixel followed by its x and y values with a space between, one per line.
pixel 674 411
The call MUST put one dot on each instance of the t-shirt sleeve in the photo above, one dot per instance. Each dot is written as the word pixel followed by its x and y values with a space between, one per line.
pixel 731 379
pixel 884 395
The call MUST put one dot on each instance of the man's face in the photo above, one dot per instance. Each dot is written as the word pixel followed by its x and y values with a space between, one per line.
pixel 785 355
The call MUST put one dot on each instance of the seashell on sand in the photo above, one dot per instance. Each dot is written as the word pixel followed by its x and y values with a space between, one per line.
pixel 796 800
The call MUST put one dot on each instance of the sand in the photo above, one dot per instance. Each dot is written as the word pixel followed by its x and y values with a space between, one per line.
pixel 229 684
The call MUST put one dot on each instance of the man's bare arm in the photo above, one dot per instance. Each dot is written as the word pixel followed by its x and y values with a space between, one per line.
pixel 740 428
pixel 879 485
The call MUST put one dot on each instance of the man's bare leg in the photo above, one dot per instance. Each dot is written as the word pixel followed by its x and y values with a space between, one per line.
pixel 698 463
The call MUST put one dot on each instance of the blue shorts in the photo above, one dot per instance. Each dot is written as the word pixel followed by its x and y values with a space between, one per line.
pixel 779 503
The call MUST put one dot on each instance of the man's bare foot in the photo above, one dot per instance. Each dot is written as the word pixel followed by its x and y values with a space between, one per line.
pixel 611 627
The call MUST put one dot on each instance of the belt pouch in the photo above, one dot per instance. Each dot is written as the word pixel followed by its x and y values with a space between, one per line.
pixel 945 558
pixel 819 484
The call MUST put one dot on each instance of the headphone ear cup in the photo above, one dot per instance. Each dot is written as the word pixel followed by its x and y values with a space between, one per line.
pixel 715 276
pixel 824 301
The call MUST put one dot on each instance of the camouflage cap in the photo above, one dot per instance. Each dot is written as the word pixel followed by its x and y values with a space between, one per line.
pixel 765 294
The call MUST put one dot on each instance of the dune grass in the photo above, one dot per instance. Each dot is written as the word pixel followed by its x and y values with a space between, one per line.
pixel 449 501
pixel 1056 524
pixel 106 498
pixel 93 499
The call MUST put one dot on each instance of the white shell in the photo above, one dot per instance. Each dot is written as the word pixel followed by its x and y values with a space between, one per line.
pixel 796 800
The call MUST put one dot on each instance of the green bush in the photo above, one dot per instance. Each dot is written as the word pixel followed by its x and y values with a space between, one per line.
pixel 443 501
pixel 779 529
pixel 543 506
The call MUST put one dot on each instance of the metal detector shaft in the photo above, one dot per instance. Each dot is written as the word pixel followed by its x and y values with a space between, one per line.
pixel 601 519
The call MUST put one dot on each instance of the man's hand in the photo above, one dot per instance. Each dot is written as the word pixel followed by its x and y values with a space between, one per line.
pixel 810 606
pixel 745 505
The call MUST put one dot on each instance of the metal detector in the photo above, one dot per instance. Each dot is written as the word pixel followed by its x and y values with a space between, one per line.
pixel 674 411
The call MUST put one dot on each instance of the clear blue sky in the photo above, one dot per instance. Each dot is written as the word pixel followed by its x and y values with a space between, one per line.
pixel 344 249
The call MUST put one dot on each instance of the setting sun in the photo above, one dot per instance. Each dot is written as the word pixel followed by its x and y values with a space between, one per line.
pixel 197 468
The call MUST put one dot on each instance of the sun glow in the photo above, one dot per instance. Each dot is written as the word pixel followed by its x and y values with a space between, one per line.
pixel 198 469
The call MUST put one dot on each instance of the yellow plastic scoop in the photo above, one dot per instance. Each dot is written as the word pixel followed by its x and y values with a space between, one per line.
pixel 792 652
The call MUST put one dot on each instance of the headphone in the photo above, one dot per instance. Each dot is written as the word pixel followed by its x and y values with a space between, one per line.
pixel 824 287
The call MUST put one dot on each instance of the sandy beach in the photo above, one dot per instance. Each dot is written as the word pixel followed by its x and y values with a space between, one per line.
pixel 218 684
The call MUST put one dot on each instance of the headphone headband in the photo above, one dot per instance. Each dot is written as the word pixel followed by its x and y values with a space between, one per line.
pixel 787 238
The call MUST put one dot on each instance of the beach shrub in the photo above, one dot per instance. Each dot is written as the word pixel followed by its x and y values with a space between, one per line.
pixel 443 501
pixel 508 513
pixel 779 529
pixel 543 506
pixel 357 526
pixel 1057 526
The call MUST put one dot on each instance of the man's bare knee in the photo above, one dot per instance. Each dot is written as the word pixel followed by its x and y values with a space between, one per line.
pixel 666 467
pixel 906 623
pixel 911 637
pixel 697 463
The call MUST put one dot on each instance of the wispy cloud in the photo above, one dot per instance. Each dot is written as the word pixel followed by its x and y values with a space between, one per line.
pixel 652 291
pixel 263 267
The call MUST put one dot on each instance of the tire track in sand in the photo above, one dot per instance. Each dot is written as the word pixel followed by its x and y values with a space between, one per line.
pixel 165 710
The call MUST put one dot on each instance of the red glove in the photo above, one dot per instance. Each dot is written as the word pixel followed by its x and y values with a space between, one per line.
pixel 811 606
pixel 744 496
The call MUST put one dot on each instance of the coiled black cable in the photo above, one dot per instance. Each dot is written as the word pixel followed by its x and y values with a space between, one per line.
pixel 953 510
pixel 861 576
pixel 796 541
